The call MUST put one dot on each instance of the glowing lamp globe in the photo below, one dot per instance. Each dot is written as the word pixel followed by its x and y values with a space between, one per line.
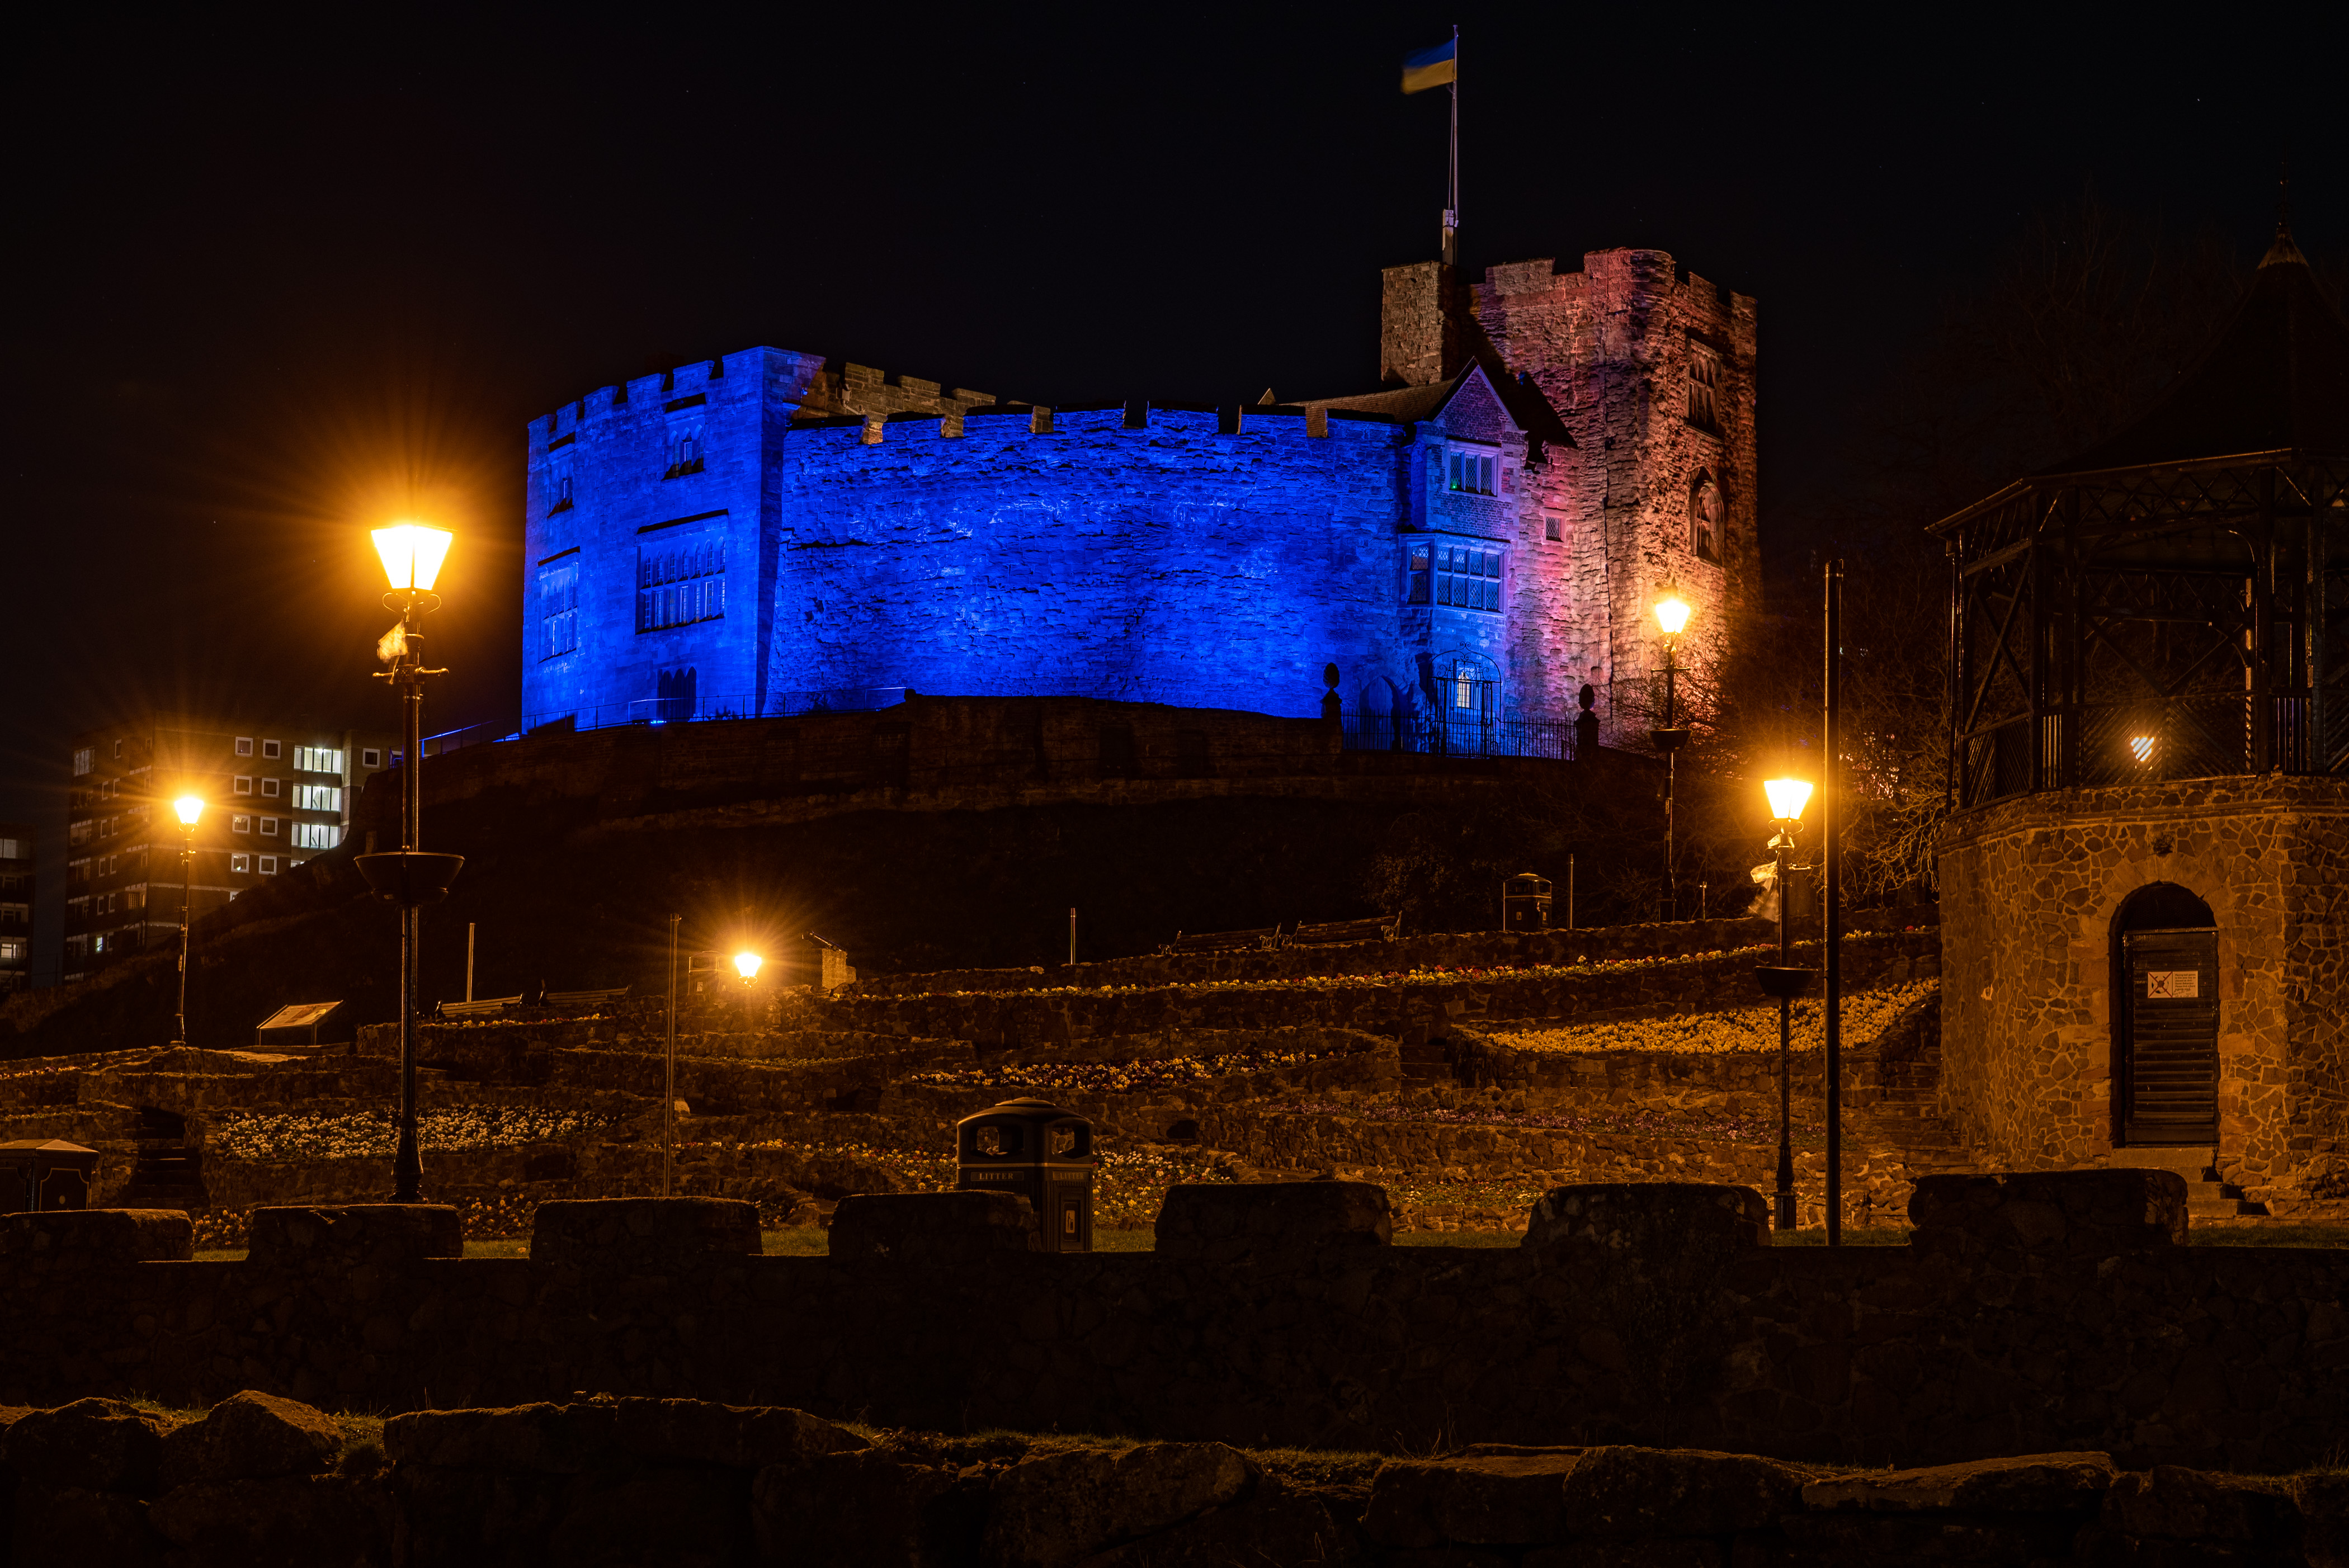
pixel 1787 798
pixel 1672 614
pixel 189 807
pixel 412 554
pixel 747 962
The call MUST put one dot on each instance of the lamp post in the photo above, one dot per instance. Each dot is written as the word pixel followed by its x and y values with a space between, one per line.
pixel 1784 981
pixel 668 1080
pixel 412 554
pixel 1671 614
pixel 1831 811
pixel 189 807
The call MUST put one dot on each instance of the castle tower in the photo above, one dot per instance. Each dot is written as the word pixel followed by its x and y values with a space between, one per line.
pixel 1653 371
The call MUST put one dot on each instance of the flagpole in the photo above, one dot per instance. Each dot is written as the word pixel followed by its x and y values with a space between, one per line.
pixel 1452 208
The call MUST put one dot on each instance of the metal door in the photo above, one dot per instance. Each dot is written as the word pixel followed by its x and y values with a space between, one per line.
pixel 2170 1056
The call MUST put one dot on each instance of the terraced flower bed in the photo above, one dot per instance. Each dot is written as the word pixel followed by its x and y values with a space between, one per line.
pixel 1866 1015
pixel 1119 1078
pixel 259 1135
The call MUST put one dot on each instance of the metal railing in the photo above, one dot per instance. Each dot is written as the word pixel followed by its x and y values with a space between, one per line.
pixel 652 710
pixel 1474 734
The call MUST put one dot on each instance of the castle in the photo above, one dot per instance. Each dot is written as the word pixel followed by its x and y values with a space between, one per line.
pixel 1473 543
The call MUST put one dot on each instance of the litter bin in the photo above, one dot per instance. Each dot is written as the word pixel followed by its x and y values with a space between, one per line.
pixel 1038 1152
pixel 1525 903
pixel 36 1175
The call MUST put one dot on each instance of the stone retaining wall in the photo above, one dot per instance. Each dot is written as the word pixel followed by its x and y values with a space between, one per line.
pixel 2031 1314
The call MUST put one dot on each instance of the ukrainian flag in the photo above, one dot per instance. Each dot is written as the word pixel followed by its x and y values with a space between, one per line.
pixel 1431 67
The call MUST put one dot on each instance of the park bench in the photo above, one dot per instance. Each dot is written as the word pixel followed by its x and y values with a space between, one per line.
pixel 488 1006
pixel 1259 940
pixel 1328 933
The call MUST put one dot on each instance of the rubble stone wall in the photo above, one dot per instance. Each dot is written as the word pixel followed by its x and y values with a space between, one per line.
pixel 2030 888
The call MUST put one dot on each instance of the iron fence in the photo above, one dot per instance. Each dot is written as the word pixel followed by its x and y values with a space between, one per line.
pixel 1471 735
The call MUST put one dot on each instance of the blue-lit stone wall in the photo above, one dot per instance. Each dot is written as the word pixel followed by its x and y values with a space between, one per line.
pixel 1168 563
pixel 702 544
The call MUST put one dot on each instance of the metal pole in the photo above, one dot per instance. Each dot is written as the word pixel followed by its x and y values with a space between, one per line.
pixel 1671 757
pixel 407 1164
pixel 1569 892
pixel 1830 846
pixel 1786 1216
pixel 187 892
pixel 668 1093
pixel 469 960
pixel 1072 935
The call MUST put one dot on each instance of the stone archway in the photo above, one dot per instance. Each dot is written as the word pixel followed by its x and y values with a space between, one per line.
pixel 2165 1019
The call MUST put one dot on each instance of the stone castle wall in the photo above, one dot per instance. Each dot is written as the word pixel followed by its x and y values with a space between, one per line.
pixel 2030 888
pixel 2031 1313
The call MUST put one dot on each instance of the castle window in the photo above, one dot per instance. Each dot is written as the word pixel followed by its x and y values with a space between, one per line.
pixel 1468 577
pixel 562 494
pixel 558 610
pixel 1554 526
pixel 1703 387
pixel 680 582
pixel 1470 472
pixel 1707 536
pixel 1420 590
pixel 685 453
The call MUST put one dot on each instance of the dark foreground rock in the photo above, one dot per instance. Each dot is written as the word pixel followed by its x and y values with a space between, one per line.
pixel 261 1481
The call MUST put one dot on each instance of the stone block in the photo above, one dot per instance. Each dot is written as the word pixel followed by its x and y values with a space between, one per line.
pixel 1628 1492
pixel 932 1228
pixel 1650 1219
pixel 2062 1213
pixel 564 1439
pixel 251 1437
pixel 1271 1221
pixel 1497 1500
pixel 72 1527
pixel 91 1445
pixel 644 1235
pixel 852 1509
pixel 38 1242
pixel 277 1522
pixel 2028 1483
pixel 1053 1510
pixel 2178 1504
pixel 339 1239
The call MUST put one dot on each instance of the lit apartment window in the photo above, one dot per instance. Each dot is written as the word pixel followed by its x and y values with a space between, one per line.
pixel 269 787
pixel 12 953
pixel 245 746
pixel 79 833
pixel 371 758
pixel 316 835
pixel 118 751
pixel 268 827
pixel 269 749
pixel 318 759
pixel 241 864
pixel 269 865
pixel 242 784
pixel 82 761
pixel 317 798
pixel 240 824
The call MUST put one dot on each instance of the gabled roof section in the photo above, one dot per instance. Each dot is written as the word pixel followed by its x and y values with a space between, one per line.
pixel 1524 402
pixel 2274 380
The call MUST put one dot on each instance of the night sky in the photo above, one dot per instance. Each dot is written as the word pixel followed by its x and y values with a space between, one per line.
pixel 275 281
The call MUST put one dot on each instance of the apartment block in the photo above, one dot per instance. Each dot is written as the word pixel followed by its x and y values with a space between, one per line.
pixel 15 905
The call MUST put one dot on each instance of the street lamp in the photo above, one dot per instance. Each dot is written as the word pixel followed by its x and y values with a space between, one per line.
pixel 412 554
pixel 1784 981
pixel 189 807
pixel 1671 616
pixel 747 965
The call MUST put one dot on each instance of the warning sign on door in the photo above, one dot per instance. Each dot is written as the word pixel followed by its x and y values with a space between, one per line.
pixel 2172 984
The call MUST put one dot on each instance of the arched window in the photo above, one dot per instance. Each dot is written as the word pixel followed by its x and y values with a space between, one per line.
pixel 1707 535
